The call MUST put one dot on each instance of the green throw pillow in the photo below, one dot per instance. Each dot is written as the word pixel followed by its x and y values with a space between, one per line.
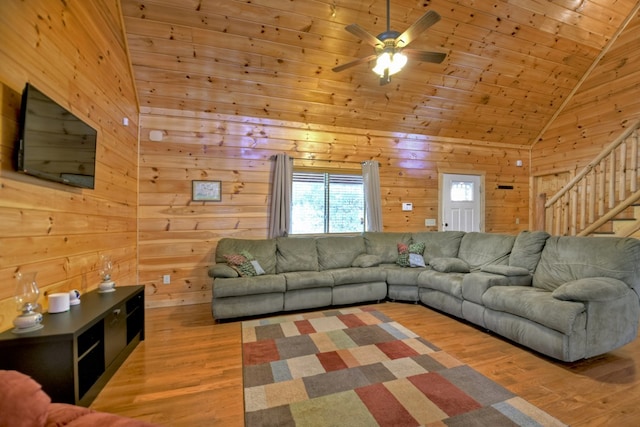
pixel 245 264
pixel 405 251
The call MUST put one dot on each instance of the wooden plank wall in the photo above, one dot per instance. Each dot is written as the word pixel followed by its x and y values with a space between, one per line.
pixel 607 102
pixel 179 236
pixel 76 53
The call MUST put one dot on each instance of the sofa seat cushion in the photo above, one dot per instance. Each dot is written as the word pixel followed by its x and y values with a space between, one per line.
pixel 308 279
pixel 397 275
pixel 448 283
pixel 350 276
pixel 538 306
pixel 338 251
pixel 241 286
pixel 296 254
pixel 479 249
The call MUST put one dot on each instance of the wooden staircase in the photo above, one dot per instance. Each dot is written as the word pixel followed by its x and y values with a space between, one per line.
pixel 601 199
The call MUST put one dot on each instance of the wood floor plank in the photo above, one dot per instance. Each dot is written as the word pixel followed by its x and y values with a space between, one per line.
pixel 188 371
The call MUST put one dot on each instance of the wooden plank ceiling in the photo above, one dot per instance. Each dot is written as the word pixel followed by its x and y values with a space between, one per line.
pixel 510 63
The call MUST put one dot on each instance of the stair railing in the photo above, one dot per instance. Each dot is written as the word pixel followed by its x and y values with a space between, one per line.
pixel 601 190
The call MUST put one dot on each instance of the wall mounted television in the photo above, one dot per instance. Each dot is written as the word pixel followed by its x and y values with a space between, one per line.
pixel 55 144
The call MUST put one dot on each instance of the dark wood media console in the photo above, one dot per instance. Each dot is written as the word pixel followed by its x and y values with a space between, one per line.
pixel 76 352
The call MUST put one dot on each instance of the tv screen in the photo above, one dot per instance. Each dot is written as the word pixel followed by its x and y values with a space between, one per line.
pixel 55 144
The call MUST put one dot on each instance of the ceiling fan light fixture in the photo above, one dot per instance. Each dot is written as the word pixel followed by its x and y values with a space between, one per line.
pixel 390 61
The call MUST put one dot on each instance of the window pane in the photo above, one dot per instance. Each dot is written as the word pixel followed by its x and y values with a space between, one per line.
pixel 462 191
pixel 346 204
pixel 307 204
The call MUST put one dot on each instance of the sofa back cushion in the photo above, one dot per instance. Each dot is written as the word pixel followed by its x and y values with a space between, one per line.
pixel 263 250
pixel 479 249
pixel 339 251
pixel 568 258
pixel 296 254
pixel 385 245
pixel 439 244
pixel 527 249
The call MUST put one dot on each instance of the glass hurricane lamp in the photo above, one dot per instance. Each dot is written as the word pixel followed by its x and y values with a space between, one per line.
pixel 26 298
pixel 106 267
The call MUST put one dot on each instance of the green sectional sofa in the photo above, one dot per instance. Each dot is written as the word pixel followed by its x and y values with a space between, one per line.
pixel 566 297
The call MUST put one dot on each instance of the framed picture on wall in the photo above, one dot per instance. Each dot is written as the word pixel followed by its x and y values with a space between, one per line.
pixel 206 191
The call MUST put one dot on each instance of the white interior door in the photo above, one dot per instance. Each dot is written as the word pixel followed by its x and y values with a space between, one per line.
pixel 461 202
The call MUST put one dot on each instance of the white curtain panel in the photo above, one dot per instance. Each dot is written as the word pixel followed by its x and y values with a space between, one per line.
pixel 372 197
pixel 280 218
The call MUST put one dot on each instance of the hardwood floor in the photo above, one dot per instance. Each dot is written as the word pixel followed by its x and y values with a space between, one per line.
pixel 188 371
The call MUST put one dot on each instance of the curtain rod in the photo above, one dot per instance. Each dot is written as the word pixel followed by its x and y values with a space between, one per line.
pixel 273 157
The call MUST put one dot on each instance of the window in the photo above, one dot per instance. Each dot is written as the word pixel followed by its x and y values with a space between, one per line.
pixel 462 191
pixel 323 202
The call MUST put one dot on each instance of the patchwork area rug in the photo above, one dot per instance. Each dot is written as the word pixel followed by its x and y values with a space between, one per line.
pixel 356 367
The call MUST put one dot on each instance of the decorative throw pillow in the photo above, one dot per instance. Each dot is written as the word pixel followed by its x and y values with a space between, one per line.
pixel 245 264
pixel 256 266
pixel 403 255
pixel 410 255
pixel 416 260
pixel 416 248
pixel 254 262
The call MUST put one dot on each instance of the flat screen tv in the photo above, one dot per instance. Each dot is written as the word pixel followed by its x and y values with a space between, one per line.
pixel 55 144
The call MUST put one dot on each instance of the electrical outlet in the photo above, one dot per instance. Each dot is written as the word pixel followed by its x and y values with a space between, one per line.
pixel 166 279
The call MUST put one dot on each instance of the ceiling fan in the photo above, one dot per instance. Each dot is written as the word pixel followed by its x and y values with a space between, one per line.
pixel 390 52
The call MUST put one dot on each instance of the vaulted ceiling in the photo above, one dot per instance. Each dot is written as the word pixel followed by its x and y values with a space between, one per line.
pixel 510 64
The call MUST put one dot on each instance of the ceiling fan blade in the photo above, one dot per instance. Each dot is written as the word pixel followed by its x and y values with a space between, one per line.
pixel 425 56
pixel 424 22
pixel 353 63
pixel 363 34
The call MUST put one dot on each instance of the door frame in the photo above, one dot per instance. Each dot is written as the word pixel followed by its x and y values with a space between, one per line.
pixel 481 174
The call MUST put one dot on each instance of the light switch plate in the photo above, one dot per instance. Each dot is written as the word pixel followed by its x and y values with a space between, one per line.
pixel 430 222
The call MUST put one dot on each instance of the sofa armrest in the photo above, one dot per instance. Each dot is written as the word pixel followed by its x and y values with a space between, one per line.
pixel 449 265
pixel 474 285
pixel 505 270
pixel 223 271
pixel 591 289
